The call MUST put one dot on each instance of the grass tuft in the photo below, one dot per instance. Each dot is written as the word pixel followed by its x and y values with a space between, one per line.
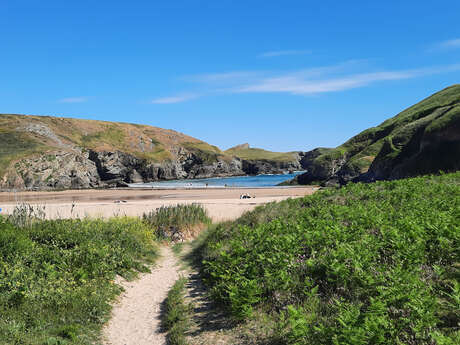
pixel 177 222
pixel 177 313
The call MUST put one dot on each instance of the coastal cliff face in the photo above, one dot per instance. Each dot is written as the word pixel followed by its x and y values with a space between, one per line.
pixel 258 161
pixel 66 170
pixel 57 153
pixel 422 139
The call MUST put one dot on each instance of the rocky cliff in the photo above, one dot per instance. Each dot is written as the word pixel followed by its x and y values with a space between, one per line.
pixel 424 138
pixel 258 161
pixel 42 152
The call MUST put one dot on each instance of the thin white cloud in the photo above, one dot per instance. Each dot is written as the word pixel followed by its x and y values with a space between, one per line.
pixel 455 43
pixel 224 78
pixel 445 45
pixel 243 77
pixel 73 100
pixel 340 77
pixel 284 53
pixel 297 84
pixel 174 99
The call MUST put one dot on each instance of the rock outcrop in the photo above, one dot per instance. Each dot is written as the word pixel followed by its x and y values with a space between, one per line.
pixel 258 161
pixel 54 170
pixel 69 170
pixel 256 167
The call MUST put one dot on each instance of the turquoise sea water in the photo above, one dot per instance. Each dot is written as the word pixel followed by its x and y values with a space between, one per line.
pixel 220 182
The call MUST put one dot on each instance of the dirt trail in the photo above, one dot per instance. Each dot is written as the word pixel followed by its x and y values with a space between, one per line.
pixel 136 318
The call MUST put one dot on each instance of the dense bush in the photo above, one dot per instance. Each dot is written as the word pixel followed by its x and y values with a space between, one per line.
pixel 176 222
pixel 364 264
pixel 56 277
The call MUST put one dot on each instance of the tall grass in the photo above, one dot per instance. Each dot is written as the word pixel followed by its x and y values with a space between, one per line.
pixel 176 222
pixel 56 276
pixel 364 264
pixel 24 215
pixel 177 313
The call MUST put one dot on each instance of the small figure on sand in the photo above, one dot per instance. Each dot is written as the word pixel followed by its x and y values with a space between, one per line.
pixel 246 196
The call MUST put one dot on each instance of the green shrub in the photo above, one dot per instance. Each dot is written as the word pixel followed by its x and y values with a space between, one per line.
pixel 56 277
pixel 363 264
pixel 170 222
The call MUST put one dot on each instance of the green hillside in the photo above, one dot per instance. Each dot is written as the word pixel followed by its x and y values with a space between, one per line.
pixel 249 153
pixel 364 264
pixel 424 138
pixel 26 135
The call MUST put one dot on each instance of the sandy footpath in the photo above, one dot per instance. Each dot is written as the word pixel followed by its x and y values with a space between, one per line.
pixel 136 318
pixel 222 204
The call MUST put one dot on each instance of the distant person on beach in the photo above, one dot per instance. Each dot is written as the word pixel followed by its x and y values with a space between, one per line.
pixel 246 196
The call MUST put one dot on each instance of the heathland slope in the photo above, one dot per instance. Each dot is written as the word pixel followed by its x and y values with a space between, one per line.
pixel 260 161
pixel 424 138
pixel 363 264
pixel 44 152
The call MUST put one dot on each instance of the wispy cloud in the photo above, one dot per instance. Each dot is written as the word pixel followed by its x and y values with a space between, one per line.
pixel 174 99
pixel 334 78
pixel 445 45
pixel 455 43
pixel 276 53
pixel 299 84
pixel 73 100
pixel 224 77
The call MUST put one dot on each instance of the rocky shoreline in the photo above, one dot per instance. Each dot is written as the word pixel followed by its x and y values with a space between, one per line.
pixel 91 169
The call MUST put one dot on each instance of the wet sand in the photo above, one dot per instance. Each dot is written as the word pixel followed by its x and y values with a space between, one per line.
pixel 221 203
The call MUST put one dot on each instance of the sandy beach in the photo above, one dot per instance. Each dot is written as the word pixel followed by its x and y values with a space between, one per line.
pixel 222 204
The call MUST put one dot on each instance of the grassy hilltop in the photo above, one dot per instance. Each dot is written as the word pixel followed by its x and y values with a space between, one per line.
pixel 23 135
pixel 26 135
pixel 44 152
pixel 364 264
pixel 424 138
pixel 250 153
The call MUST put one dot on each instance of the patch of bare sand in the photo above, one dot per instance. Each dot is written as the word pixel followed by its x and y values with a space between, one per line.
pixel 136 317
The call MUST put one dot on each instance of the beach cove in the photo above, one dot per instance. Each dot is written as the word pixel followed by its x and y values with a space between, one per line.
pixel 221 203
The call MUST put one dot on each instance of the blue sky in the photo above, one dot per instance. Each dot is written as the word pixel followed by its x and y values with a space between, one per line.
pixel 281 75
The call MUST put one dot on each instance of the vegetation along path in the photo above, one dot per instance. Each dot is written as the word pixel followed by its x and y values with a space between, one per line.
pixel 136 318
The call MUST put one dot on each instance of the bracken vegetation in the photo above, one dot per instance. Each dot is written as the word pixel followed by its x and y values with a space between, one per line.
pixel 364 264
pixel 57 277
